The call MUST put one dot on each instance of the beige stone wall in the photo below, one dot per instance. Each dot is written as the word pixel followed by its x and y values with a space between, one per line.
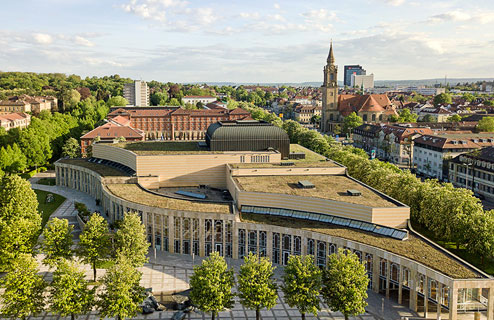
pixel 392 217
pixel 194 169
pixel 287 171
pixel 119 155
pixel 150 182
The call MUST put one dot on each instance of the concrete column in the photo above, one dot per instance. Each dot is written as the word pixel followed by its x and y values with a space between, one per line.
pixel 303 246
pixel 375 273
pixel 400 285
pixel 171 233
pixel 439 296
pixel 490 304
pixel 413 290
pixel 426 296
pixel 388 277
pixel 235 240
pixel 269 245
pixel 153 242
pixel 453 303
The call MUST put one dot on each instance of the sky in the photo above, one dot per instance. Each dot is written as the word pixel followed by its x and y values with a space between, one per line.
pixel 259 41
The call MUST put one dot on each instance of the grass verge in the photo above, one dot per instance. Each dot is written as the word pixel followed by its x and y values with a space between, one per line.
pixel 46 209
pixel 487 267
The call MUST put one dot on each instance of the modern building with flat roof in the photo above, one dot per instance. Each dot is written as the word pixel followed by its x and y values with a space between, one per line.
pixel 352 70
pixel 193 200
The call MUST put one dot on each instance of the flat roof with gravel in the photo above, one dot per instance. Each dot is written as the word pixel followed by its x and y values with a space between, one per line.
pixel 332 187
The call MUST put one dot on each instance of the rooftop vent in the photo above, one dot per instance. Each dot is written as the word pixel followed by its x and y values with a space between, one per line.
pixel 305 184
pixel 353 192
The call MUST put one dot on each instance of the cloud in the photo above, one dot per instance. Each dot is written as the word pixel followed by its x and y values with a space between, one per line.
pixel 152 9
pixel 394 3
pixel 83 41
pixel 276 6
pixel 450 16
pixel 249 15
pixel 319 15
pixel 43 38
pixel 478 17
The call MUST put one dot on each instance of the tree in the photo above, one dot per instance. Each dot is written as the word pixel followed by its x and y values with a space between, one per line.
pixel 57 241
pixel 117 101
pixel 71 148
pixel 407 116
pixel 256 285
pixel 24 289
pixel 486 124
pixel 211 285
pixel 84 92
pixel 121 294
pixel 351 121
pixel 428 118
pixel 443 99
pixel 302 284
pixel 70 294
pixel 345 284
pixel 20 221
pixel 130 240
pixel 480 230
pixel 315 119
pixel 454 118
pixel 94 242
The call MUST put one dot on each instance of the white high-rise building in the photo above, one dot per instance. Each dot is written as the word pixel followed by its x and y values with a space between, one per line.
pixel 137 93
pixel 362 80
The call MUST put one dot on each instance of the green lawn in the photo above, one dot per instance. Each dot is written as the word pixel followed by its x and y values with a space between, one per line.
pixel 462 252
pixel 46 209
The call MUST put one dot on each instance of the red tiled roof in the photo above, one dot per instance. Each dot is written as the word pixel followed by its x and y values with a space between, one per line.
pixel 14 116
pixel 111 130
pixel 121 120
pixel 348 103
pixel 403 132
pixel 457 141
pixel 239 111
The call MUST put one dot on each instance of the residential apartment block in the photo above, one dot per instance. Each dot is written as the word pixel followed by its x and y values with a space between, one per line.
pixel 25 103
pixel 137 93
pixel 393 143
pixel 303 113
pixel 475 171
pixel 14 120
pixel 430 152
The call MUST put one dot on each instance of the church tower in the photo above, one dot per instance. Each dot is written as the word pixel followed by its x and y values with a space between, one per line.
pixel 330 113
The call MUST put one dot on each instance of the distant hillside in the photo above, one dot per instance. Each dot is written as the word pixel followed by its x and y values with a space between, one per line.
pixel 378 83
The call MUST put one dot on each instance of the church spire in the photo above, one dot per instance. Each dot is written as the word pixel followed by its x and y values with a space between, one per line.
pixel 331 56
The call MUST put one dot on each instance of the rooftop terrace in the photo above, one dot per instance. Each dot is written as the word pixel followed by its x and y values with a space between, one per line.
pixel 413 248
pixel 102 170
pixel 332 187
pixel 132 192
